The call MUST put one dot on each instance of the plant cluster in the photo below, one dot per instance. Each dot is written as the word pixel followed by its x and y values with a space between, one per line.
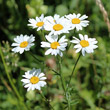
pixel 56 44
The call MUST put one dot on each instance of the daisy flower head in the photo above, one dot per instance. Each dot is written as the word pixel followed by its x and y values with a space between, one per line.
pixel 37 23
pixel 77 21
pixel 55 46
pixel 34 79
pixel 23 43
pixel 57 26
pixel 84 44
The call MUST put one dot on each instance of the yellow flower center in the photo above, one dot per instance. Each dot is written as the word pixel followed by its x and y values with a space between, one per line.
pixel 57 27
pixel 34 80
pixel 75 20
pixel 84 43
pixel 24 44
pixel 54 45
pixel 39 24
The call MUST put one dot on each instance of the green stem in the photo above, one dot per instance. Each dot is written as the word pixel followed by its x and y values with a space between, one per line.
pixel 61 77
pixel 74 69
pixel 35 57
pixel 46 100
pixel 69 107
pixel 10 81
pixel 53 70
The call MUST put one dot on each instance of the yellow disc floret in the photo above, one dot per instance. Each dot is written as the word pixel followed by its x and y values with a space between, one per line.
pixel 75 20
pixel 57 27
pixel 84 43
pixel 23 44
pixel 54 45
pixel 34 80
pixel 39 24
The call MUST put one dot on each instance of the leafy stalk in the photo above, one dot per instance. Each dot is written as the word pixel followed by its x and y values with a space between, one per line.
pixel 74 69
pixel 10 81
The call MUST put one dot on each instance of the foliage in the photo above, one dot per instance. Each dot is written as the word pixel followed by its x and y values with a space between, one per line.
pixel 91 83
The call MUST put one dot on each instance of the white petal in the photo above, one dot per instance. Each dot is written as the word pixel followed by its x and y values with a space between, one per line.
pixel 48 51
pixel 49 38
pixel 78 15
pixel 94 46
pixel 25 80
pixel 56 16
pixel 62 48
pixel 78 50
pixel 83 51
pixel 37 87
pixel 60 53
pixel 62 39
pixel 75 41
pixel 41 17
pixel 77 46
pixel 15 44
pixel 43 78
pixel 94 42
pixel 41 83
pixel 41 75
pixel 81 37
pixel 29 88
pixel 27 85
pixel 33 87
pixel 45 44
pixel 21 50
pixel 83 17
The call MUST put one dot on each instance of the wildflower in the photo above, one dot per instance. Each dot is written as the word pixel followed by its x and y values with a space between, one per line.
pixel 34 79
pixel 57 26
pixel 55 47
pixel 77 22
pixel 23 43
pixel 37 23
pixel 85 44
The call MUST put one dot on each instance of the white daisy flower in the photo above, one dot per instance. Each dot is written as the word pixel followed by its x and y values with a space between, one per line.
pixel 77 21
pixel 23 43
pixel 37 23
pixel 50 18
pixel 34 79
pixel 57 26
pixel 85 44
pixel 55 46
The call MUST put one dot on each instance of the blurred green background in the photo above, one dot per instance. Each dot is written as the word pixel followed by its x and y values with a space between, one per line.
pixel 90 87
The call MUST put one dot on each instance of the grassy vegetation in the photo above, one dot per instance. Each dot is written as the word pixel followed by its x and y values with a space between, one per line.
pixel 90 86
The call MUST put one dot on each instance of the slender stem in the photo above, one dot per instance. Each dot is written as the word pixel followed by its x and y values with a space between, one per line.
pixel 65 92
pixel 46 100
pixel 35 57
pixel 69 107
pixel 53 70
pixel 10 81
pixel 61 77
pixel 74 69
